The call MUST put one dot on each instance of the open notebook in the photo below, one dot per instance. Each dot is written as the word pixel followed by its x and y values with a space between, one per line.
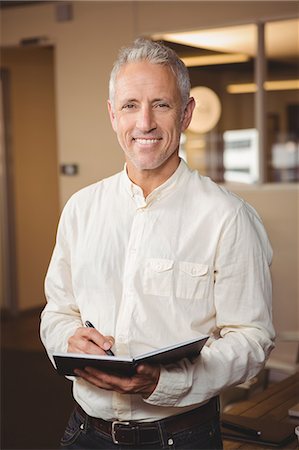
pixel 126 366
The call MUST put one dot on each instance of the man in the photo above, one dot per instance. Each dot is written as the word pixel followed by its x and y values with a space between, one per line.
pixel 153 256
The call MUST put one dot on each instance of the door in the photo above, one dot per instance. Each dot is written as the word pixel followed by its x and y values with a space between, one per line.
pixel 31 191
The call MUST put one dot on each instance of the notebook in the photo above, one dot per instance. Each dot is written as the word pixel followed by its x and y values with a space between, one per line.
pixel 66 363
pixel 265 431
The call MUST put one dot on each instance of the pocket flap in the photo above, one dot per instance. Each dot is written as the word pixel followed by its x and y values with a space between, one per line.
pixel 194 269
pixel 160 265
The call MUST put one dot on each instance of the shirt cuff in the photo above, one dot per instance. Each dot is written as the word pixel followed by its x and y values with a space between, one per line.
pixel 173 383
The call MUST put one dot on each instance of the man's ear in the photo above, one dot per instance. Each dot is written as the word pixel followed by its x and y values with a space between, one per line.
pixel 111 115
pixel 187 115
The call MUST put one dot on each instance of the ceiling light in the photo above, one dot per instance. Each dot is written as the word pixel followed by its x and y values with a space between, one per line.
pixel 219 39
pixel 279 85
pixel 281 39
pixel 207 60
pixel 244 88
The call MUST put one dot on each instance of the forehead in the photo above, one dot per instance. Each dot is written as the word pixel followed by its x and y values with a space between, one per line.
pixel 145 77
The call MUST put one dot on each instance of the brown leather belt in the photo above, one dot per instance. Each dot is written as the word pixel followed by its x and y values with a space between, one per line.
pixel 136 433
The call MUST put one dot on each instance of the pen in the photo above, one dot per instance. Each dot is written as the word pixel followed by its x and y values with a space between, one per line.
pixel 241 429
pixel 90 325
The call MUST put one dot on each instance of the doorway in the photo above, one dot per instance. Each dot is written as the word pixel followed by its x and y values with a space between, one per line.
pixel 29 174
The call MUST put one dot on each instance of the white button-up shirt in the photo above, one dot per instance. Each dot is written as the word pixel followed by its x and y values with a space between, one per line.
pixel 190 259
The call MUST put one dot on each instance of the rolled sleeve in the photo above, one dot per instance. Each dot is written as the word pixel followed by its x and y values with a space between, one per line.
pixel 174 382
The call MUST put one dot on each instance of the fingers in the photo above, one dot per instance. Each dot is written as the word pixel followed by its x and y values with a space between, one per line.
pixel 106 381
pixel 109 340
pixel 152 374
pixel 95 377
pixel 90 341
pixel 144 382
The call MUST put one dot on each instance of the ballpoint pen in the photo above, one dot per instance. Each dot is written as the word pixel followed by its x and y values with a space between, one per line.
pixel 90 325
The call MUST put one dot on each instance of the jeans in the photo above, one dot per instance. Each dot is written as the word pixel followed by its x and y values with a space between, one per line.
pixel 80 435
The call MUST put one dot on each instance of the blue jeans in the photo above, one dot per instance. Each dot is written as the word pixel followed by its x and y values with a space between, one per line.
pixel 79 434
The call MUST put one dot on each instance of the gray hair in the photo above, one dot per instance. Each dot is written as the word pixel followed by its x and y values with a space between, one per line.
pixel 155 53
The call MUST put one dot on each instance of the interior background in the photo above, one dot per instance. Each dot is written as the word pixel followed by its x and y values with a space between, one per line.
pixel 80 54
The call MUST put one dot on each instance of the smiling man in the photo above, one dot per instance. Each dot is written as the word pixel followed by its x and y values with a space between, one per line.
pixel 148 115
pixel 153 256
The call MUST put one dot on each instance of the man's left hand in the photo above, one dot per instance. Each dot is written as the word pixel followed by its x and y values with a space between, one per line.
pixel 143 383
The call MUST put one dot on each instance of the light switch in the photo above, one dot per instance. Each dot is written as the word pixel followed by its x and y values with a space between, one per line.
pixel 69 169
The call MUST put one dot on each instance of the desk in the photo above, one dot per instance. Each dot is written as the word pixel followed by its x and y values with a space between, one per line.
pixel 275 402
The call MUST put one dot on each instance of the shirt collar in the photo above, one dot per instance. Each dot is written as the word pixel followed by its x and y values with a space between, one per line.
pixel 136 192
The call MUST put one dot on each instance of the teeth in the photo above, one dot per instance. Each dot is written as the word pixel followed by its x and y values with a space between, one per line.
pixel 146 141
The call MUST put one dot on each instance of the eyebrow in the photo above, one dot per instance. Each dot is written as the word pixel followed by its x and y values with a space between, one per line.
pixel 126 100
pixel 159 99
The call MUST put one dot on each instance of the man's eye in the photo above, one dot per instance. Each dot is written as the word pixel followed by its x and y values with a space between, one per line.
pixel 129 106
pixel 162 105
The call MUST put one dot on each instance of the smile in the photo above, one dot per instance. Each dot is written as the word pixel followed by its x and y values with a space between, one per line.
pixel 146 141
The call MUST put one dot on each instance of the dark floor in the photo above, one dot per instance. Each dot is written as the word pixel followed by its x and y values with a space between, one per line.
pixel 35 401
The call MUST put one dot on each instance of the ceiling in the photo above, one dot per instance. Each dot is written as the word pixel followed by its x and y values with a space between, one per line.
pixel 281 40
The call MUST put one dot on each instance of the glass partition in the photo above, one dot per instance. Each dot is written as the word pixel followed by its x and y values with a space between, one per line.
pixel 223 140
pixel 282 100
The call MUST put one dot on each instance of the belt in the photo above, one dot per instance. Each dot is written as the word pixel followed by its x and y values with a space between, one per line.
pixel 136 433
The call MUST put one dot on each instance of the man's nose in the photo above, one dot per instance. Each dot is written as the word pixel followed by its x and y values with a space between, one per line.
pixel 146 119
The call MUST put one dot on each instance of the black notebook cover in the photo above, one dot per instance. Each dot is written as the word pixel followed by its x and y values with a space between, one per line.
pixel 126 366
pixel 273 433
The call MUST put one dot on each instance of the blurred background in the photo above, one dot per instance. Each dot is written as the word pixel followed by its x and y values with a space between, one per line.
pixel 55 138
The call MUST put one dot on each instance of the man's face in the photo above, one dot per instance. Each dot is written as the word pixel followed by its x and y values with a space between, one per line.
pixel 147 114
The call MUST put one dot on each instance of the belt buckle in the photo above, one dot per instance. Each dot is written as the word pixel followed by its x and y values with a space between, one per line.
pixel 114 429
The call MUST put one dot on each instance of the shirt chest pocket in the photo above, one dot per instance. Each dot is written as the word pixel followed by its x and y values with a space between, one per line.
pixel 158 277
pixel 165 278
pixel 192 280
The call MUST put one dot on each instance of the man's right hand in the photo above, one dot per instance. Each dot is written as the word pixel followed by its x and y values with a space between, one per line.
pixel 89 340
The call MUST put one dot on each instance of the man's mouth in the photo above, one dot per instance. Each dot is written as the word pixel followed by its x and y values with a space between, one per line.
pixel 143 141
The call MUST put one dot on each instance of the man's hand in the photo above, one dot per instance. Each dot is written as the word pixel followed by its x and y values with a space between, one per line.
pixel 143 383
pixel 89 340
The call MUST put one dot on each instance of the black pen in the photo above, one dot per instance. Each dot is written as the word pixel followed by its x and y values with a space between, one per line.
pixel 241 429
pixel 90 325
